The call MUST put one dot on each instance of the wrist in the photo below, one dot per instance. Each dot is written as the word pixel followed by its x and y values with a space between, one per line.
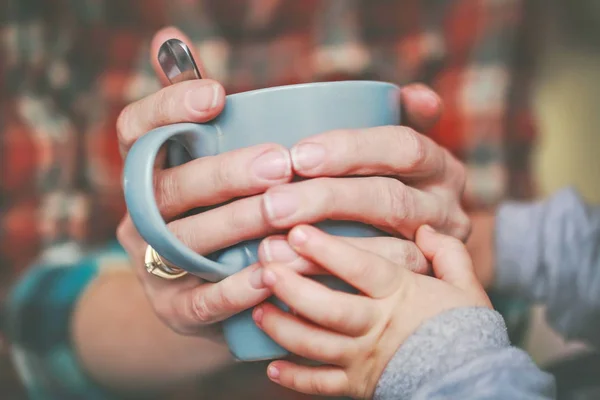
pixel 128 357
pixel 441 345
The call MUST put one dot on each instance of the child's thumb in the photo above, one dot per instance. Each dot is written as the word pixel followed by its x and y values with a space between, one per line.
pixel 449 257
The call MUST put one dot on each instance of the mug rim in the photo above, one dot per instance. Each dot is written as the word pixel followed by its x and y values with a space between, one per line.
pixel 282 88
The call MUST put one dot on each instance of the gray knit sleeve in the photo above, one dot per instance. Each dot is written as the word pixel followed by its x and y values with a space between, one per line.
pixel 462 354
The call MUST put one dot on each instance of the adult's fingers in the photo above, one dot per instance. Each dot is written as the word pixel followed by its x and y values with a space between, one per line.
pixel 323 380
pixel 189 101
pixel 187 303
pixel 276 249
pixel 421 107
pixel 172 33
pixel 345 313
pixel 229 224
pixel 302 338
pixel 223 226
pixel 383 202
pixel 369 273
pixel 388 150
pixel 207 303
pixel 213 180
pixel 449 257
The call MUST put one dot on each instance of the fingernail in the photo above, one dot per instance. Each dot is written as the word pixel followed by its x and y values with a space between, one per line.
pixel 273 372
pixel 278 250
pixel 273 165
pixel 269 278
pixel 257 315
pixel 204 98
pixel 280 204
pixel 307 156
pixel 297 237
pixel 256 279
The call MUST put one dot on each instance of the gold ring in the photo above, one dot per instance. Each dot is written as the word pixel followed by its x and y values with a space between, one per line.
pixel 159 267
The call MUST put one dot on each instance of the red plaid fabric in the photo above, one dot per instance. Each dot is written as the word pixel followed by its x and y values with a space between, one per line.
pixel 67 69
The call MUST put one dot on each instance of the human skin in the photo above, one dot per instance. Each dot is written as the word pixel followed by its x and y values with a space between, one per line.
pixel 423 183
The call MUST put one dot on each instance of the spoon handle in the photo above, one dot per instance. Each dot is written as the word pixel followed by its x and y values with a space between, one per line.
pixel 177 62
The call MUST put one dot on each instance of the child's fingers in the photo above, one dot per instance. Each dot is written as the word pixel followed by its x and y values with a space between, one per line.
pixel 449 257
pixel 350 314
pixel 324 380
pixel 275 249
pixel 371 274
pixel 303 338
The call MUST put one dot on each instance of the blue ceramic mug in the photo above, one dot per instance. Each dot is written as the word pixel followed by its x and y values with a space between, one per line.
pixel 283 115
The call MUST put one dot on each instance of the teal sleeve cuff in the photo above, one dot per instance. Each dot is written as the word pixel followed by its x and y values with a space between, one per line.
pixel 39 312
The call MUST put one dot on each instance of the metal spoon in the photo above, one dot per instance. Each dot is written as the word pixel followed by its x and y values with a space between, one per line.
pixel 177 62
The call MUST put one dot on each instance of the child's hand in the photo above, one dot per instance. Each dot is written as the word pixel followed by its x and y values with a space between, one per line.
pixel 357 335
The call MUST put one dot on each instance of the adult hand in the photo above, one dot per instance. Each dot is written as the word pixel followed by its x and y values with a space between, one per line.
pixel 418 182
pixel 397 179
pixel 188 304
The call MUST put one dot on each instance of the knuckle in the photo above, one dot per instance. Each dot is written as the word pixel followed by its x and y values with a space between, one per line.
pixel 362 322
pixel 226 172
pixel 161 104
pixel 183 315
pixel 189 237
pixel 128 236
pixel 124 230
pixel 336 317
pixel 202 310
pixel 456 171
pixel 167 190
pixel 461 175
pixel 123 126
pixel 399 202
pixel 215 303
pixel 321 349
pixel 223 173
pixel 179 327
pixel 294 381
pixel 168 314
pixel 463 226
pixel 305 347
pixel 413 143
pixel 224 299
pixel 163 309
pixel 319 386
pixel 411 256
pixel 239 218
pixel 182 330
pixel 328 198
pixel 360 272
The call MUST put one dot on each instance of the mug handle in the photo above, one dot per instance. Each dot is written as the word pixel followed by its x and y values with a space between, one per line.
pixel 138 187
